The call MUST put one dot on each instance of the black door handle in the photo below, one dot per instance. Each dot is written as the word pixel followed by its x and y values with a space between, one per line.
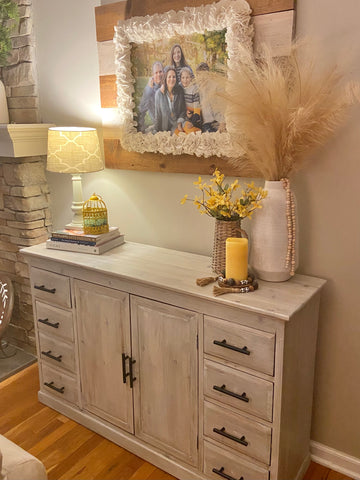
pixel 123 359
pixel 132 378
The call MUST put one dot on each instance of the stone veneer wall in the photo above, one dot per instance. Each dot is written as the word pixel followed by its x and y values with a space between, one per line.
pixel 24 192
pixel 24 221
pixel 19 76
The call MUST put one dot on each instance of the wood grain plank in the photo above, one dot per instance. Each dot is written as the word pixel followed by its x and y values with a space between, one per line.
pixel 117 157
pixel 149 7
pixel 337 476
pixel 316 471
pixel 25 433
pixel 91 464
pixel 143 472
pixel 106 16
pixel 108 93
pixel 54 436
pixel 276 30
pixel 121 467
pixel 63 468
pixel 106 55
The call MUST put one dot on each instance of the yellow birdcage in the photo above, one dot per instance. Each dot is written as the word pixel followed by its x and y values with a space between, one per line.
pixel 95 216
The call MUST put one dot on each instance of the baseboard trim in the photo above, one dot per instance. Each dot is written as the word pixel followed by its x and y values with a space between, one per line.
pixel 336 460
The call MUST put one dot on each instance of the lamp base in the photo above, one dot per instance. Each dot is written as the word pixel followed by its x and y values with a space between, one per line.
pixel 77 204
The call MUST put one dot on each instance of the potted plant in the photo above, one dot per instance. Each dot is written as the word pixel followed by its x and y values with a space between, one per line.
pixel 277 111
pixel 218 200
pixel 9 17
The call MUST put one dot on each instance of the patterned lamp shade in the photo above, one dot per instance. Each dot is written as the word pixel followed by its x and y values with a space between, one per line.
pixel 73 150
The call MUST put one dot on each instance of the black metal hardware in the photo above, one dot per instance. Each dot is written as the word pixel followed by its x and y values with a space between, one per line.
pixel 223 389
pixel 57 389
pixel 48 354
pixel 44 289
pixel 231 437
pixel 124 358
pixel 224 475
pixel 224 344
pixel 132 379
pixel 46 322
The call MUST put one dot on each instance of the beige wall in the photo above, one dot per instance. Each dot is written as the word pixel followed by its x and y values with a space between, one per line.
pixel 146 205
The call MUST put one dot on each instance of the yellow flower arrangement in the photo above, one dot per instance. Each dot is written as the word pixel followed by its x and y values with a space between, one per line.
pixel 217 199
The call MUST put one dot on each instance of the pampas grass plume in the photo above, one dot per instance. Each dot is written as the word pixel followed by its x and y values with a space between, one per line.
pixel 279 109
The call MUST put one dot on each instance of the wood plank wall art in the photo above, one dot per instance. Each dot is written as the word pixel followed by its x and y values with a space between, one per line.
pixel 273 23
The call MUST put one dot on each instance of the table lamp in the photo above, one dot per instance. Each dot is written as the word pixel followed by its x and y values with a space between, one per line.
pixel 74 150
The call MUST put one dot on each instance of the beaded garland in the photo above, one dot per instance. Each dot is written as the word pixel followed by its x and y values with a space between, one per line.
pixel 291 225
pixel 229 285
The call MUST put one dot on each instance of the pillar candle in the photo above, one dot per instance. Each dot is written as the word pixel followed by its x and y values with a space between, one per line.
pixel 237 258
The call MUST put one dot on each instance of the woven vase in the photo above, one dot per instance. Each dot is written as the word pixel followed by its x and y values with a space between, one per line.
pixel 223 230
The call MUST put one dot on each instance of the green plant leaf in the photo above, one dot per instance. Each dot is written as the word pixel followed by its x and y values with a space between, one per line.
pixel 8 11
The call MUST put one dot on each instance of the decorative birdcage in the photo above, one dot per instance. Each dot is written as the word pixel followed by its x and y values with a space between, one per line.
pixel 95 216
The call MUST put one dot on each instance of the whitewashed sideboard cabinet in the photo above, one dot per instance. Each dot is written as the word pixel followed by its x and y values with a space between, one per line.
pixel 203 387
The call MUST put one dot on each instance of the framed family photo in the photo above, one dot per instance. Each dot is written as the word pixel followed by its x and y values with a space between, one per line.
pixel 161 108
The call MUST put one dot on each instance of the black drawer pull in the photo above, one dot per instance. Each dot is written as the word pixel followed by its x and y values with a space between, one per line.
pixel 222 389
pixel 224 344
pixel 224 475
pixel 49 324
pixel 44 289
pixel 231 437
pixel 57 389
pixel 49 354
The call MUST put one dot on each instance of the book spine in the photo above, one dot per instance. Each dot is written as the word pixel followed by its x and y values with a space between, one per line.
pixel 72 247
pixel 76 247
pixel 73 240
pixel 96 239
pixel 76 238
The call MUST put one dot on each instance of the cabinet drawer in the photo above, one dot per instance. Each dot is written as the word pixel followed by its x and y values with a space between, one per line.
pixel 52 287
pixel 54 321
pixel 244 435
pixel 59 384
pixel 56 352
pixel 242 345
pixel 238 389
pixel 219 462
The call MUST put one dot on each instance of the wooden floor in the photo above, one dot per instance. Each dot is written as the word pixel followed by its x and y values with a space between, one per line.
pixel 71 451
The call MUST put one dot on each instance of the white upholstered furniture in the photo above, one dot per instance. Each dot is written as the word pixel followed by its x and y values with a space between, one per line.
pixel 202 386
pixel 17 464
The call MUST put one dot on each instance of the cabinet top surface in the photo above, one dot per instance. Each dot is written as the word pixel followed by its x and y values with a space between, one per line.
pixel 177 271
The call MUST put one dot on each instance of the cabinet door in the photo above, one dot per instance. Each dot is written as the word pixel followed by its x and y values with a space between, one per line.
pixel 103 321
pixel 164 342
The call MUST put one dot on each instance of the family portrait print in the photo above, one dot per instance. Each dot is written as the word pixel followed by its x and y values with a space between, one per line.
pixel 167 97
pixel 159 61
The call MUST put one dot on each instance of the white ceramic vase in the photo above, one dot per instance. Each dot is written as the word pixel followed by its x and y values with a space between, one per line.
pixel 4 113
pixel 269 236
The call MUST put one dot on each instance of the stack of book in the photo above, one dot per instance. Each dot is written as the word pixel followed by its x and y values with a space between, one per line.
pixel 78 241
